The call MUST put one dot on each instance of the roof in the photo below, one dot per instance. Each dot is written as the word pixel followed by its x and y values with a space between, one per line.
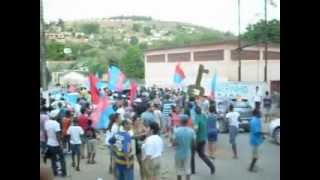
pixel 229 42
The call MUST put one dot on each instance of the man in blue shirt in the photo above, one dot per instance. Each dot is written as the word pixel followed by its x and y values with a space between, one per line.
pixel 256 137
pixel 184 137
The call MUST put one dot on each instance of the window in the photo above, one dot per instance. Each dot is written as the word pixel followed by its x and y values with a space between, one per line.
pixel 208 55
pixel 179 57
pixel 156 58
pixel 245 55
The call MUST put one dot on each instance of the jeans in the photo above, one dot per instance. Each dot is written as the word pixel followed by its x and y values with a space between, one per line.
pixel 201 151
pixel 54 152
pixel 125 174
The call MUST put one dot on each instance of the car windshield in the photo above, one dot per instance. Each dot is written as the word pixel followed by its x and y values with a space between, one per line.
pixel 240 104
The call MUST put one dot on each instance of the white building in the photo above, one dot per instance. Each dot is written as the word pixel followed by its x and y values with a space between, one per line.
pixel 221 57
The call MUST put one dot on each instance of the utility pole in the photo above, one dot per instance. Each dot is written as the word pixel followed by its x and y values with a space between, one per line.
pixel 239 44
pixel 43 64
pixel 265 43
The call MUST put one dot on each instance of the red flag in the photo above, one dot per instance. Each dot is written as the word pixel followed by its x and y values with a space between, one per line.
pixel 93 89
pixel 133 91
pixel 72 89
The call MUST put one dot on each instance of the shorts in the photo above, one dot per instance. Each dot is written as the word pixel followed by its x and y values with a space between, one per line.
pixel 213 136
pixel 152 167
pixel 255 152
pixel 233 131
pixel 75 148
pixel 183 166
pixel 267 111
pixel 91 145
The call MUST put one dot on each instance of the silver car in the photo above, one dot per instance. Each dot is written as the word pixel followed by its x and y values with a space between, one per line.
pixel 274 130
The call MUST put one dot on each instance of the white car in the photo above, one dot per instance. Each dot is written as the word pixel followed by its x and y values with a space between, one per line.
pixel 274 130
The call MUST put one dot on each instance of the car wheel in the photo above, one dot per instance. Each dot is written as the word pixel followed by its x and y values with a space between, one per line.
pixel 276 135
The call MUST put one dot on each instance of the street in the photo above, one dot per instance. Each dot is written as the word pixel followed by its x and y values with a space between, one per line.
pixel 226 167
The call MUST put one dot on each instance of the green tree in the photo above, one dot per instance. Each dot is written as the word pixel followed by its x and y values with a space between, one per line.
pixel 259 32
pixel 134 40
pixel 90 28
pixel 147 30
pixel 132 63
pixel 136 27
pixel 55 50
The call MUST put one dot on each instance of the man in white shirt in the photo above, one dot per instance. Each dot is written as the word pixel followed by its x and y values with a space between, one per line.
pixel 54 144
pixel 257 98
pixel 152 150
pixel 233 118
pixel 75 131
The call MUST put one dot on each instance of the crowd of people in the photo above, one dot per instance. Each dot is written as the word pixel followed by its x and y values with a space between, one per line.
pixel 139 130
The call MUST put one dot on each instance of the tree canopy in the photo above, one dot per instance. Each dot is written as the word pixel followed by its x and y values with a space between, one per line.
pixel 259 32
pixel 132 63
pixel 90 28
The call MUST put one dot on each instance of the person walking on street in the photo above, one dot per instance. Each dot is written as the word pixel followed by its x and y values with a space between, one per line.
pixel 257 98
pixel 148 116
pixel 139 136
pixel 201 133
pixel 112 129
pixel 84 124
pixel 91 137
pixel 166 111
pixel 54 144
pixel 184 139
pixel 75 132
pixel 212 131
pixel 152 151
pixel 121 144
pixel 267 103
pixel 65 126
pixel 256 138
pixel 233 118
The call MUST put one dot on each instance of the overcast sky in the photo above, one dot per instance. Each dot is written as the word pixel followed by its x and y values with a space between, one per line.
pixel 217 14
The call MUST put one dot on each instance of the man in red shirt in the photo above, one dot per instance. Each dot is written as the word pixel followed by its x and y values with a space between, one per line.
pixel 84 123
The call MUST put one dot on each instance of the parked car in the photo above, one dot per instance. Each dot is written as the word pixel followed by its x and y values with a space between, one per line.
pixel 274 130
pixel 243 107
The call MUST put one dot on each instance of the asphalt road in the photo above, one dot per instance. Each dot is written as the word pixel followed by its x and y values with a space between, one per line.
pixel 226 167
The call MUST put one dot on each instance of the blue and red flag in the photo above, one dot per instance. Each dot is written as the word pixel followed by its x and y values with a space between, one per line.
pixel 93 80
pixel 214 83
pixel 116 78
pixel 178 75
pixel 100 116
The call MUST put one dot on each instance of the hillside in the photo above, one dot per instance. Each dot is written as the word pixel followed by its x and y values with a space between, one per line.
pixel 95 43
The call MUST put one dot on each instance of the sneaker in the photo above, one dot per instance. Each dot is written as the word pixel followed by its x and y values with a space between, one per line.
pixel 78 168
pixel 73 164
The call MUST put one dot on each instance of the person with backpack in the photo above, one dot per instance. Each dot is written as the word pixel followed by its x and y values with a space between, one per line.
pixel 112 129
pixel 122 148
pixel 212 131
